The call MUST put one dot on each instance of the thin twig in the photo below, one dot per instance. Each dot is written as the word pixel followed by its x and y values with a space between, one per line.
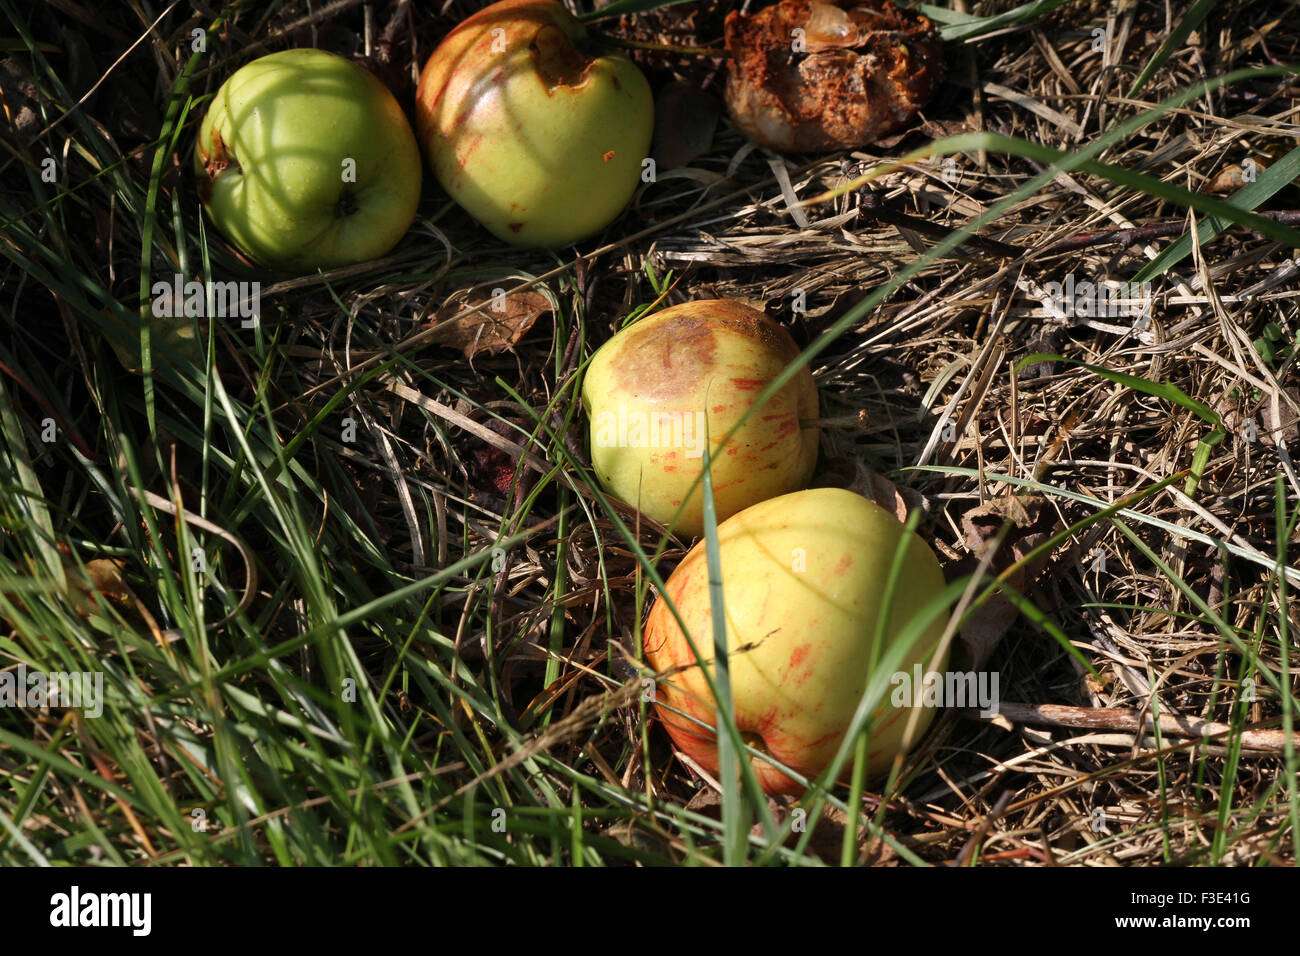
pixel 1138 235
pixel 1117 718
pixel 982 830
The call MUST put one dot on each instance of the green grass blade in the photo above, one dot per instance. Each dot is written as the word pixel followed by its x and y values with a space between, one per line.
pixel 1192 18
pixel 1272 180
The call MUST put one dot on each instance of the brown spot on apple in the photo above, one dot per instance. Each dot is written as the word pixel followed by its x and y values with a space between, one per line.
pixel 666 358
pixel 558 61
pixel 215 162
pixel 686 361
pixel 681 342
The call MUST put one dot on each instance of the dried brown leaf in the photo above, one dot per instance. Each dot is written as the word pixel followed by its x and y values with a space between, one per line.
pixel 504 320
pixel 1030 524
pixel 852 475
pixel 1228 180
pixel 876 487
pixel 980 525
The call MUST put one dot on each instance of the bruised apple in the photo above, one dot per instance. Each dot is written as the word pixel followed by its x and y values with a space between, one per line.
pixel 305 161
pixel 803 580
pixel 807 75
pixel 653 389
pixel 534 133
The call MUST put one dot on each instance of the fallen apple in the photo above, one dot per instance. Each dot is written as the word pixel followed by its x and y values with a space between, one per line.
pixel 653 388
pixel 305 161
pixel 528 129
pixel 803 577
pixel 807 75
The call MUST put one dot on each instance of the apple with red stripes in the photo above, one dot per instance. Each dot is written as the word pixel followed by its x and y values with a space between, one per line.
pixel 803 580
pixel 533 130
pixel 670 382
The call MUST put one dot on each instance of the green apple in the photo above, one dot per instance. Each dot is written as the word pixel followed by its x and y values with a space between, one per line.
pixel 305 161
pixel 651 390
pixel 534 135
pixel 803 577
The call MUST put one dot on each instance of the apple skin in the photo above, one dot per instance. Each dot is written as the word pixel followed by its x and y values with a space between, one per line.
pixel 806 635
pixel 270 162
pixel 537 140
pixel 714 357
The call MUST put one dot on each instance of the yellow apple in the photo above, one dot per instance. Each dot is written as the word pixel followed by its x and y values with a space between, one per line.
pixel 651 388
pixel 534 135
pixel 803 577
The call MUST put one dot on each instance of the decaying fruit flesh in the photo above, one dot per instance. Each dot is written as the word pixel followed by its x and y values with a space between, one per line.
pixel 806 76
